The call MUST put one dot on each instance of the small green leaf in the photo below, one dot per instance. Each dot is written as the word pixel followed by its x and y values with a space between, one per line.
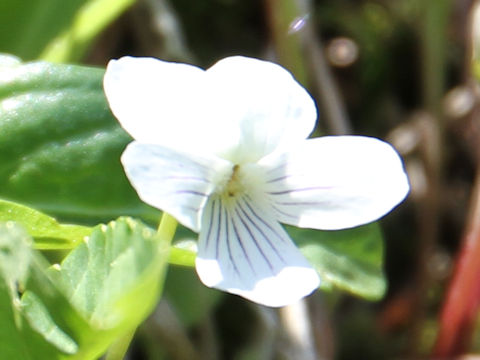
pixel 15 255
pixel 60 145
pixel 113 280
pixel 351 260
pixel 115 277
pixel 18 340
pixel 48 313
pixel 47 232
pixel 41 321
pixel 119 275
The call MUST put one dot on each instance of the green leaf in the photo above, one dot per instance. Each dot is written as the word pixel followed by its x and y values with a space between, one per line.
pixel 47 232
pixel 18 339
pixel 15 255
pixel 46 309
pixel 60 146
pixel 27 26
pixel 351 260
pixel 102 290
pixel 41 321
pixel 114 278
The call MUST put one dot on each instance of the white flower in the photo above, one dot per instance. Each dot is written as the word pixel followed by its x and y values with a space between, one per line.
pixel 225 152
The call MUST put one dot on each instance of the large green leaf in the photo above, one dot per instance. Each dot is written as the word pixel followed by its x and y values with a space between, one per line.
pixel 27 26
pixel 102 290
pixel 351 260
pixel 60 146
pixel 47 232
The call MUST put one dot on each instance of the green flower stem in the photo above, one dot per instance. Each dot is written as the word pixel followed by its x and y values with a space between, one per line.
pixel 167 228
pixel 119 348
pixel 166 232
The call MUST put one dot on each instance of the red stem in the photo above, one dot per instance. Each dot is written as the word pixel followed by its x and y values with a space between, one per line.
pixel 463 297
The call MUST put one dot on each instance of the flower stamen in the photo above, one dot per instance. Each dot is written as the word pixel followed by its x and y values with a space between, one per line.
pixel 234 185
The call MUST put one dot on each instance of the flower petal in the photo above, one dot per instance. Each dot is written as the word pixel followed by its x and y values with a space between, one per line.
pixel 240 109
pixel 173 182
pixel 158 102
pixel 265 106
pixel 244 251
pixel 335 182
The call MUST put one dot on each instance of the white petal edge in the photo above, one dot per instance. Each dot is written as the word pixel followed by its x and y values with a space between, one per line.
pixel 335 182
pixel 176 183
pixel 265 106
pixel 244 251
pixel 158 102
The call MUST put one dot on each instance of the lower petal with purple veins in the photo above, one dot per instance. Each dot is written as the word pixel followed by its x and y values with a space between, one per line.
pixel 245 251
